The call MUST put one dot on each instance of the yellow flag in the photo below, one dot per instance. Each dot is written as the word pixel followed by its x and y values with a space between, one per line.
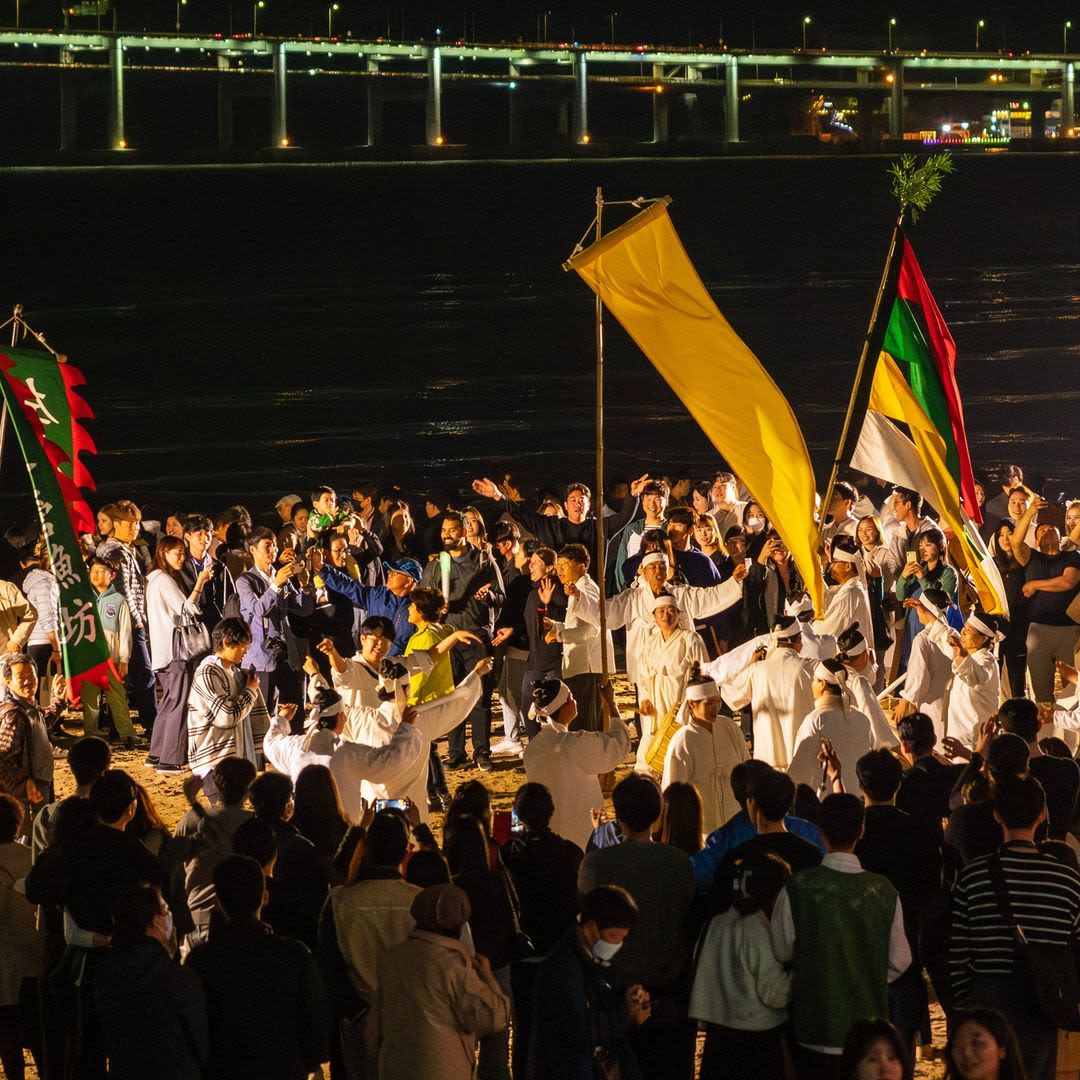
pixel 643 275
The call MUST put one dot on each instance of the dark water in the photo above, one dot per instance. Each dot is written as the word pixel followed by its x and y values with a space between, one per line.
pixel 250 331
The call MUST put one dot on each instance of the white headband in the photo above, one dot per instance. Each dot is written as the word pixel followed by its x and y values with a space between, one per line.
pixel 840 555
pixel 932 608
pixel 665 600
pixel 799 607
pixel 984 629
pixel 785 633
pixel 835 678
pixel 561 697
pixel 858 649
pixel 703 691
pixel 654 557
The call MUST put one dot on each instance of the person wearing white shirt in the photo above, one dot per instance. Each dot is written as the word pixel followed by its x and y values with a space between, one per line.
pixel 349 762
pixel 704 751
pixel 833 718
pixel 568 762
pixel 830 924
pixel 669 653
pixel 855 655
pixel 779 688
pixel 929 668
pixel 848 602
pixel 974 691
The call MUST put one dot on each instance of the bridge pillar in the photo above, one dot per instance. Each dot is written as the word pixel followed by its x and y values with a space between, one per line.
pixel 1068 97
pixel 896 101
pixel 659 106
pixel 731 100
pixel 434 97
pixel 374 105
pixel 279 124
pixel 116 95
pixel 581 99
pixel 514 106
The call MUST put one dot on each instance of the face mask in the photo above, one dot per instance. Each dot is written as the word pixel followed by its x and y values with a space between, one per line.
pixel 755 524
pixel 604 951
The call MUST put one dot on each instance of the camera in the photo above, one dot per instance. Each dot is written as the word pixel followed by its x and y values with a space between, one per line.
pixel 276 648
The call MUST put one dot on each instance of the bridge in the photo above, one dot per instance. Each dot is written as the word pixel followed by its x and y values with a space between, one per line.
pixel 571 73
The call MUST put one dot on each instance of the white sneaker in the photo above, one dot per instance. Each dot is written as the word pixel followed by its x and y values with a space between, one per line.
pixel 508 746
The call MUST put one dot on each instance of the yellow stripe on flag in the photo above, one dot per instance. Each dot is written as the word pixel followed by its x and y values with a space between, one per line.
pixel 643 275
pixel 891 395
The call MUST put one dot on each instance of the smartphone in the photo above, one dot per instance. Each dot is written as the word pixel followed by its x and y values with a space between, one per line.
pixel 501 825
pixel 515 822
pixel 911 557
pixel 391 804
pixel 748 563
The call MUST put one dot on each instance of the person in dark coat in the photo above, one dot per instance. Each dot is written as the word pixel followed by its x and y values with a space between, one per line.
pixel 266 1007
pixel 579 1021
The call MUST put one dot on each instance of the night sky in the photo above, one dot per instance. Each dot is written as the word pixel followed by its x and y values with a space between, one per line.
pixel 920 23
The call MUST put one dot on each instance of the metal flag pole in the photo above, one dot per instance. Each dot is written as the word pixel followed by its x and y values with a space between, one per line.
pixel 598 504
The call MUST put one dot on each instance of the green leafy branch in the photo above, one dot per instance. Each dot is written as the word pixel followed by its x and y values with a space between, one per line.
pixel 916 184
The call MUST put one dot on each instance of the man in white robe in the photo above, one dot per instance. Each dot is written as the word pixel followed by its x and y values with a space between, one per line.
pixel 855 656
pixel 848 601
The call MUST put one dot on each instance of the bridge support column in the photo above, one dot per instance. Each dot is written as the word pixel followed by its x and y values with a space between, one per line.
pixel 659 106
pixel 374 105
pixel 117 140
pixel 896 101
pixel 514 106
pixel 434 98
pixel 731 100
pixel 581 100
pixel 279 117
pixel 1068 97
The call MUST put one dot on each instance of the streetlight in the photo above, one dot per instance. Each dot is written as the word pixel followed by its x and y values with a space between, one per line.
pixel 805 24
pixel 1065 36
pixel 179 5
pixel 330 19
pixel 612 18
pixel 255 16
pixel 892 23
pixel 978 26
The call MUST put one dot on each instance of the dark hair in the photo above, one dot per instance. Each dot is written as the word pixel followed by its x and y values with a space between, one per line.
pixel 471 799
pixel 479 518
pixel 165 545
pixel 319 815
pixel 1021 717
pixel 534 807
pixel 909 496
pixel 1012 1064
pixel 270 794
pixel 1052 746
pixel 465 846
pixel 230 632
pixel 861 1039
pixel 384 845
pixel 196 523
pixel 14 659
pixel 577 553
pixel 879 774
pixel 937 538
pixel 637 801
pixel 505 530
pixel 743 775
pixel 917 730
pixel 296 508
pixel 260 532
pixel 1008 756
pixel 681 515
pixel 609 906
pixel 133 913
pixel 378 622
pixel 681 817
pixel 843 490
pixel 773 791
pixel 88 758
pixel 240 885
pixel 106 564
pixel 544 692
pixel 146 818
pixel 429 602
pixel 653 487
pixel 112 793
pixel 759 876
pixel 256 837
pixel 1019 801
pixel 840 820
pixel 11 818
pixel 318 492
pixel 73 819
pixel 236 537
pixel 577 485
pixel 426 868
pixel 232 777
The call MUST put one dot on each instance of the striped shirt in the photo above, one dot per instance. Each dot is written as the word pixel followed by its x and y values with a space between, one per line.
pixel 1045 898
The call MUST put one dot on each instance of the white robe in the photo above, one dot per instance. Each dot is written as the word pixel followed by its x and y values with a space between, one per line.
pixel 349 762
pixel 665 667
pixel 851 737
pixel 865 700
pixel 568 764
pixel 846 604
pixel 780 691
pixel 703 757
pixel 973 694
pixel 633 608
pixel 928 674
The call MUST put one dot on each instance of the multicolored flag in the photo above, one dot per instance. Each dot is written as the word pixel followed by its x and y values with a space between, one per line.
pixel 643 275
pixel 914 382
pixel 38 407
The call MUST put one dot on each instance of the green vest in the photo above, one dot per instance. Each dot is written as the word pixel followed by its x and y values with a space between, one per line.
pixel 843 924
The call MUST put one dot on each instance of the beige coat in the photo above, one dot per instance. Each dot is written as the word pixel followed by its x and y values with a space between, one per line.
pixel 17 616
pixel 429 1010
pixel 21 943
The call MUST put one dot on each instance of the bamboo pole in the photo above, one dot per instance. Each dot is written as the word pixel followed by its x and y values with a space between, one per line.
pixel 598 501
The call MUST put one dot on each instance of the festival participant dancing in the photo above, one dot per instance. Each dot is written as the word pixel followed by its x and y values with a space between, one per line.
pixel 974 691
pixel 705 750
pixel 855 655
pixel 848 602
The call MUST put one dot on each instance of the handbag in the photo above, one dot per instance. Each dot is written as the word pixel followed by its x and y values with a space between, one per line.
pixel 191 639
pixel 1045 974
pixel 523 944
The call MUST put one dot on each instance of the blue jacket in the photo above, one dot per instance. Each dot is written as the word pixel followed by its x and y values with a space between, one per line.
pixel 267 613
pixel 375 600
pixel 733 833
